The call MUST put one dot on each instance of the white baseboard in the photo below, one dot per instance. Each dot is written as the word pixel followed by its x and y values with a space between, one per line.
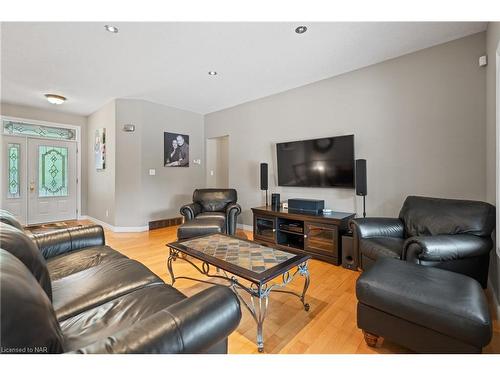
pixel 246 227
pixel 112 227
pixel 494 298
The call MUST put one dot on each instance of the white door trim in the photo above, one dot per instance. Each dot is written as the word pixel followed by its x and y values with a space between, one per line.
pixel 78 141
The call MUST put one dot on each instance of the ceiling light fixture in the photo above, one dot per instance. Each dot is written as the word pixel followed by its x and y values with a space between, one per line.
pixel 55 99
pixel 301 29
pixel 111 29
pixel 212 73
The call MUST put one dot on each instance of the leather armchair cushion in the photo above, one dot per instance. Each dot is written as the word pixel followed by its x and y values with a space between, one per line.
pixel 7 218
pixel 445 247
pixel 63 241
pixel 214 199
pixel 79 260
pixel 97 285
pixel 447 302
pixel 118 314
pixel 192 325
pixel 27 317
pixel 212 215
pixel 22 247
pixel 425 216
pixel 378 247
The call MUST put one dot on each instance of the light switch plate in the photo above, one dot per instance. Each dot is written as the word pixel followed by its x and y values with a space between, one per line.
pixel 152 172
pixel 197 161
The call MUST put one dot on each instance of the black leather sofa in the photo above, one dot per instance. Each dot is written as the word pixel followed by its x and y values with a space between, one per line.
pixel 212 210
pixel 66 291
pixel 445 233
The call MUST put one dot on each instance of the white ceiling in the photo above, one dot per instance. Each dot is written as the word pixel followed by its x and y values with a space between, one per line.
pixel 168 63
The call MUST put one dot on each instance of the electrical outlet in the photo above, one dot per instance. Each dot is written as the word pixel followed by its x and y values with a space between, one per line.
pixel 107 213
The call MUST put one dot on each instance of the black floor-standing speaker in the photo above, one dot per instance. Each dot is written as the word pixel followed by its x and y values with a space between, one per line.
pixel 263 179
pixel 361 186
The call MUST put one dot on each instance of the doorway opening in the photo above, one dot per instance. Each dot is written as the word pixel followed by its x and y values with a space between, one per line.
pixel 217 171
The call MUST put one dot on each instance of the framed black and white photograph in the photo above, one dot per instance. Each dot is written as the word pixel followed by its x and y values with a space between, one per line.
pixel 176 150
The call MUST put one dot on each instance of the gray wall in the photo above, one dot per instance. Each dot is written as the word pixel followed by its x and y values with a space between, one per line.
pixel 39 114
pixel 492 44
pixel 418 120
pixel 140 197
pixel 101 183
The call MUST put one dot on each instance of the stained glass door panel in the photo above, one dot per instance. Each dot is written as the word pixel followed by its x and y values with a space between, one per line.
pixel 52 171
pixel 13 176
pixel 51 181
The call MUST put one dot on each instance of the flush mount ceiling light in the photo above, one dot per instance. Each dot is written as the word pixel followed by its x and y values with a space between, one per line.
pixel 301 29
pixel 212 73
pixel 111 29
pixel 55 99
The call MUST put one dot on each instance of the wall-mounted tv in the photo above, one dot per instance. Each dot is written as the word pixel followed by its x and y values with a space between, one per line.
pixel 324 162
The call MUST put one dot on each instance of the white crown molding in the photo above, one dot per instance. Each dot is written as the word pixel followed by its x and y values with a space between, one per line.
pixel 113 228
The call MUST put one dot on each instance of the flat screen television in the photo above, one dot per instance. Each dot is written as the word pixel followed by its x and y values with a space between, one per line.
pixel 324 162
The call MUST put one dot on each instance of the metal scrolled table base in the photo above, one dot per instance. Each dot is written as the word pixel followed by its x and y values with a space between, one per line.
pixel 259 295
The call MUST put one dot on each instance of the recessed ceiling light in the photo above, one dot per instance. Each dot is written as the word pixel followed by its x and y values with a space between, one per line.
pixel 55 99
pixel 212 73
pixel 111 28
pixel 301 29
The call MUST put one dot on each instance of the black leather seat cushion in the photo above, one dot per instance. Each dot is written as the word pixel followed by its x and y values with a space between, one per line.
pixel 200 227
pixel 27 317
pixel 211 215
pixel 447 302
pixel 97 285
pixel 7 218
pixel 79 260
pixel 22 247
pixel 118 314
pixel 378 247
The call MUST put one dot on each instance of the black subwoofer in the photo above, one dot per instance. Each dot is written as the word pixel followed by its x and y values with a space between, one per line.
pixel 349 255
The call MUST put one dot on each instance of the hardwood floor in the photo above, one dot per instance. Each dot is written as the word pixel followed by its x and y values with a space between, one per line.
pixel 328 327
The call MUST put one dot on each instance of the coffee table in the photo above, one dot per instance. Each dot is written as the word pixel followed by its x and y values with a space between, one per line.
pixel 236 258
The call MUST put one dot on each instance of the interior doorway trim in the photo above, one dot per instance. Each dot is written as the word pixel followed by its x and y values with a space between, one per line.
pixel 78 142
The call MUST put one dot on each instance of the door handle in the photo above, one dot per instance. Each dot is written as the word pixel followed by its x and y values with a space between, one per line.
pixel 32 187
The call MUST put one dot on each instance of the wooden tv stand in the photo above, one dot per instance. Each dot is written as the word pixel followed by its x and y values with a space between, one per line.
pixel 299 232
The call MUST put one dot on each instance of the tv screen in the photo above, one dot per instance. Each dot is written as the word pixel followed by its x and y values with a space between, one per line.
pixel 324 162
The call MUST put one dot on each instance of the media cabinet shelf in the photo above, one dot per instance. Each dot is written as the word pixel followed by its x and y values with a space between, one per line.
pixel 316 234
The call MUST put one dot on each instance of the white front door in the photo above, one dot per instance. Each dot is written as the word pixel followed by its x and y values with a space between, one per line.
pixel 51 180
pixel 14 179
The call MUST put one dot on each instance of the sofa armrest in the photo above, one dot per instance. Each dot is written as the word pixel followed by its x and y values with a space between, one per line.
pixel 443 248
pixel 377 227
pixel 232 212
pixel 64 241
pixel 192 325
pixel 189 211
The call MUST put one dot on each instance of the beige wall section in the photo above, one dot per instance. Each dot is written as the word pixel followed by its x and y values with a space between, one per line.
pixel 492 45
pixel 40 114
pixel 140 197
pixel 101 183
pixel 418 120
pixel 217 162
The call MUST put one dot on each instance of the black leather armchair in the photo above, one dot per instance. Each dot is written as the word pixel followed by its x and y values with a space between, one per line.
pixel 66 291
pixel 445 233
pixel 214 204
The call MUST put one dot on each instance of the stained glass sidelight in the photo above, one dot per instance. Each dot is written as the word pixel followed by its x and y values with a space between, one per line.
pixel 22 128
pixel 53 171
pixel 14 188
